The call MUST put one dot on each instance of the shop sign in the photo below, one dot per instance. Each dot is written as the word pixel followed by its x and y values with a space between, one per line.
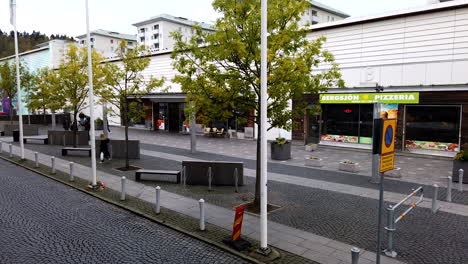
pixel 362 98
pixel 387 162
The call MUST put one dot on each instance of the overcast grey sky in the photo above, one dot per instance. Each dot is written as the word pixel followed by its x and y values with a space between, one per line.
pixel 68 16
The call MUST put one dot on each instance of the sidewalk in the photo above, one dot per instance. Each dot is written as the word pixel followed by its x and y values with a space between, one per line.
pixel 309 245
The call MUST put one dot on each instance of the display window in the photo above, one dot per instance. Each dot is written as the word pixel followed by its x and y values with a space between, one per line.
pixel 432 127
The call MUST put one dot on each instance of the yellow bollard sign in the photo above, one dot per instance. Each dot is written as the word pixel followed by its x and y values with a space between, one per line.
pixel 387 150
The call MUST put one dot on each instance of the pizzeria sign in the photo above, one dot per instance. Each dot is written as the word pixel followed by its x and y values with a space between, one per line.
pixel 362 98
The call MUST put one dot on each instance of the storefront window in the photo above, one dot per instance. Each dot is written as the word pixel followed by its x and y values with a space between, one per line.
pixel 432 127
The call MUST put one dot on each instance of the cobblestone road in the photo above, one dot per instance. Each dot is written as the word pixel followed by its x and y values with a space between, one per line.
pixel 42 221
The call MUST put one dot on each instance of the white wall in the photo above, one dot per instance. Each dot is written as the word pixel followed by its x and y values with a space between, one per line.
pixel 428 49
pixel 307 18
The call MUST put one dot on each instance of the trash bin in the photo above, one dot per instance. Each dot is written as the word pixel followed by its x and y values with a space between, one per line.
pixel 16 135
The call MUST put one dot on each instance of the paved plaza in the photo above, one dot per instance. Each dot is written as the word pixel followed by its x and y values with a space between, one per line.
pixel 47 222
pixel 323 212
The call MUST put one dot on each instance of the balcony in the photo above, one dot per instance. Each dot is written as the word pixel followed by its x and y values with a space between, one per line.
pixel 315 20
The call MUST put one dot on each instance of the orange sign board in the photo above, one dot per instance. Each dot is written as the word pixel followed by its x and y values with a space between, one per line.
pixel 387 162
pixel 236 230
pixel 388 136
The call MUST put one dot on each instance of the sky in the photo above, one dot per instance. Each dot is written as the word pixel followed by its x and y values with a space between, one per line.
pixel 68 16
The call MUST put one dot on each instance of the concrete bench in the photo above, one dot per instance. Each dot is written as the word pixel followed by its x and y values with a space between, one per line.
pixel 65 150
pixel 157 172
pixel 44 139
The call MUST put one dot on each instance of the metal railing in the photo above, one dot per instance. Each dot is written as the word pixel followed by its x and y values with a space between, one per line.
pixel 391 225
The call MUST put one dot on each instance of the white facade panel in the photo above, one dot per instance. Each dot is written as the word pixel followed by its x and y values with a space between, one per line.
pixel 439 73
pixel 414 74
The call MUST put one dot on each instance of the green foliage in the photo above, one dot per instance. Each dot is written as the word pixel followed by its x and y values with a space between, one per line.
pixel 462 156
pixel 224 75
pixel 42 95
pixel 8 86
pixel 280 141
pixel 125 81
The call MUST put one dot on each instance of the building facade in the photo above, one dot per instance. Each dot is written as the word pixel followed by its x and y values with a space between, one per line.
pixel 155 32
pixel 414 62
pixel 320 13
pixel 106 42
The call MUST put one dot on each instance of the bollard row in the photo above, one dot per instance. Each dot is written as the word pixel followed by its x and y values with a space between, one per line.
pixel 72 178
pixel 36 159
pixel 122 188
pixel 52 161
pixel 11 150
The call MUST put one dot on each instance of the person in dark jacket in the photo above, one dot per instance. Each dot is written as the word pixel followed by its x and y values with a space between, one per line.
pixel 104 147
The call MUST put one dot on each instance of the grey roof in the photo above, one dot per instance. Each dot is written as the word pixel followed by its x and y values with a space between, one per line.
pixel 178 20
pixel 328 9
pixel 111 34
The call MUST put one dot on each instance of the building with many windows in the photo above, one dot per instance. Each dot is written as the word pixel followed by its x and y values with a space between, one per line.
pixel 320 13
pixel 106 42
pixel 155 32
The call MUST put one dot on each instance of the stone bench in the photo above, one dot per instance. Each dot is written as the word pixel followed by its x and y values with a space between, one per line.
pixel 44 139
pixel 157 172
pixel 222 171
pixel 66 150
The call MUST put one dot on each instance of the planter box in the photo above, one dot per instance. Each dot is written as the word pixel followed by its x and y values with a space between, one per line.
pixel 395 173
pixel 98 126
pixel 222 172
pixel 348 167
pixel 249 132
pixel 313 162
pixel 57 137
pixel 311 147
pixel 117 148
pixel 240 135
pixel 458 164
pixel 280 152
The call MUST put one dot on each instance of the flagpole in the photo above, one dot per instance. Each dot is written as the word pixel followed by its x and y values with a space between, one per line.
pixel 91 100
pixel 18 84
pixel 263 130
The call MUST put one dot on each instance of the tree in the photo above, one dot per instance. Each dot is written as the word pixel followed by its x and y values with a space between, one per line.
pixel 124 81
pixel 8 86
pixel 223 76
pixel 42 95
pixel 70 81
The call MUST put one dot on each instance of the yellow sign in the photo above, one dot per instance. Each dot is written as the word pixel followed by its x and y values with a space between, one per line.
pixel 388 136
pixel 387 162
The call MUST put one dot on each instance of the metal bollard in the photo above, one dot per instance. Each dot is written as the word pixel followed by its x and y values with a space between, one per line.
pixel 460 180
pixel 11 150
pixel 52 161
pixel 36 159
pixel 449 189
pixel 202 214
pixel 391 228
pixel 1 147
pixel 158 200
pixel 64 141
pixel 72 178
pixel 210 179
pixel 355 255
pixel 122 188
pixel 236 180
pixel 435 202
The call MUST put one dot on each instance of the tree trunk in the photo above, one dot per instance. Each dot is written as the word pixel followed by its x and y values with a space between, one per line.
pixel 125 117
pixel 44 116
pixel 256 201
pixel 53 121
pixel 75 129
pixel 12 111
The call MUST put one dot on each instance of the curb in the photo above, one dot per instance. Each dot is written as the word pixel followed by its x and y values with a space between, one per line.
pixel 144 215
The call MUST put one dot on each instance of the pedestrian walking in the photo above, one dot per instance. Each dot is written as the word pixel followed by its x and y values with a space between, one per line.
pixel 104 148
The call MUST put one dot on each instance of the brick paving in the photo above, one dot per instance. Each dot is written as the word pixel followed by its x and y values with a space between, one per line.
pixel 45 222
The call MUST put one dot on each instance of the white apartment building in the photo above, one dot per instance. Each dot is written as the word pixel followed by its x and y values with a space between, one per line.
pixel 155 32
pixel 106 42
pixel 320 13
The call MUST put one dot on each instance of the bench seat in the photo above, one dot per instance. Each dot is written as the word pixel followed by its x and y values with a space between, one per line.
pixel 44 139
pixel 157 172
pixel 65 150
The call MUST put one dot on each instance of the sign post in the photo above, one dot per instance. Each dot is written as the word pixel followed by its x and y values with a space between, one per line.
pixel 384 144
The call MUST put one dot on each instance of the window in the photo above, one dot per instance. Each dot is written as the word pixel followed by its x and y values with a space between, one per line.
pixel 156 45
pixel 92 39
pixel 180 29
pixel 130 44
pixel 142 30
pixel 112 41
pixel 314 12
pixel 142 39
pixel 156 27
pixel 82 42
pixel 155 36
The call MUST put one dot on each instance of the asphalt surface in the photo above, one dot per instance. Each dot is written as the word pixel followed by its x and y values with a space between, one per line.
pixel 42 221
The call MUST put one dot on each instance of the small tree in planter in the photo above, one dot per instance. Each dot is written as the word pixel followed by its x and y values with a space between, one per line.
pixel 281 149
pixel 461 162
pixel 312 161
pixel 99 124
pixel 348 166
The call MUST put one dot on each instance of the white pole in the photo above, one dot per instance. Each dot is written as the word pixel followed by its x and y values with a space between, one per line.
pixel 18 84
pixel 91 99
pixel 263 130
